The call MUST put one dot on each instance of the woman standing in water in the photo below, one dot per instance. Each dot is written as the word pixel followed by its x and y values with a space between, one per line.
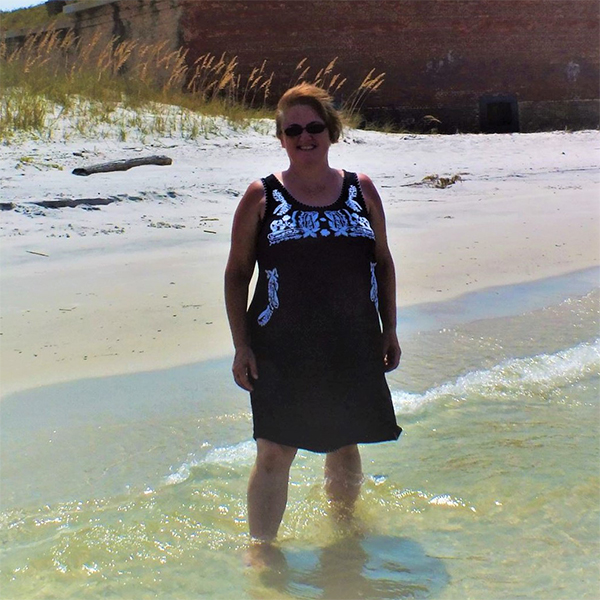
pixel 320 332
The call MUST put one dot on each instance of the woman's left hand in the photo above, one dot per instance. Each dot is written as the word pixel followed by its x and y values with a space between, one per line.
pixel 391 350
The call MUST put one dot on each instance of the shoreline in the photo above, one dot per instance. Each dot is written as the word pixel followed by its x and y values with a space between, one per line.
pixel 137 285
pixel 499 301
pixel 489 303
pixel 140 432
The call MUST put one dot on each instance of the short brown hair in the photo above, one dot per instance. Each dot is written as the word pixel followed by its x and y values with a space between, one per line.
pixel 318 99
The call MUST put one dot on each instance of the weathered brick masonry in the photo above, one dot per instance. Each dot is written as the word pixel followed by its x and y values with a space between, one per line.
pixel 100 23
pixel 146 21
pixel 456 60
pixel 475 65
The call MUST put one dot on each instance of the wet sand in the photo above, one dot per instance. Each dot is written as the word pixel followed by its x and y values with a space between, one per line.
pixel 134 485
pixel 137 285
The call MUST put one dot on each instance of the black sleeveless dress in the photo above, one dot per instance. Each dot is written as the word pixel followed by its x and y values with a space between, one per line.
pixel 314 325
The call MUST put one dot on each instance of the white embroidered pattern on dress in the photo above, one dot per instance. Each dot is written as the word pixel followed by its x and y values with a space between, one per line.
pixel 374 288
pixel 351 202
pixel 300 224
pixel 349 224
pixel 303 223
pixel 284 205
pixel 272 287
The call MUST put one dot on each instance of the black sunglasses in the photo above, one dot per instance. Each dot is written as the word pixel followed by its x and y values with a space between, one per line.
pixel 313 128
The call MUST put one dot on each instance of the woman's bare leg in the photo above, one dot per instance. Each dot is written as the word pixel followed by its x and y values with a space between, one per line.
pixel 343 479
pixel 268 488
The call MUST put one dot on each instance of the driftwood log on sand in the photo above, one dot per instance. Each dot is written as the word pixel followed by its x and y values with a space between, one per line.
pixel 72 203
pixel 123 165
pixel 62 203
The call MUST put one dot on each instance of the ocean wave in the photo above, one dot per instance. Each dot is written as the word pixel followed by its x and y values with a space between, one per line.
pixel 517 377
pixel 238 454
pixel 514 378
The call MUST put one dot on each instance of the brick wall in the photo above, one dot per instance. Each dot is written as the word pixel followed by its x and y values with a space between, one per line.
pixel 103 23
pixel 446 58
pixel 143 21
pixel 440 56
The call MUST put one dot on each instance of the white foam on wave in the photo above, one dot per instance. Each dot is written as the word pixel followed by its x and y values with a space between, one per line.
pixel 518 376
pixel 515 377
pixel 183 472
pixel 238 454
pixel 241 453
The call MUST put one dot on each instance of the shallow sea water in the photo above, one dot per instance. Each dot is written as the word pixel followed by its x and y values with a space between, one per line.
pixel 134 486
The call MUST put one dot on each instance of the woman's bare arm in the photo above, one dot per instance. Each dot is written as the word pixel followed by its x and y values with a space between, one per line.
pixel 239 270
pixel 386 273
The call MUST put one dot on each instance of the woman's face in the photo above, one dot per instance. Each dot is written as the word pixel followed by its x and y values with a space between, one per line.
pixel 305 148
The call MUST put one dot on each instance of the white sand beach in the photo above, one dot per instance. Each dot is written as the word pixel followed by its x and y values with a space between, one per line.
pixel 136 284
pixel 127 479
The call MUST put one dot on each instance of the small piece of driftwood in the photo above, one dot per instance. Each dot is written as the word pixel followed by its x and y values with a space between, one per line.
pixel 75 202
pixel 62 203
pixel 123 165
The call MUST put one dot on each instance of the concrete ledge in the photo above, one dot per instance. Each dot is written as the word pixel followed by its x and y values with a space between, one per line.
pixel 85 5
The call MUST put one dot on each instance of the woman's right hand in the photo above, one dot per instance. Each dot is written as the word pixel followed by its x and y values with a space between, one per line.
pixel 244 368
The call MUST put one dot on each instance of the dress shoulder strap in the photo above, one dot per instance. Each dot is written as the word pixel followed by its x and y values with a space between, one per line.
pixel 355 199
pixel 275 202
pixel 269 182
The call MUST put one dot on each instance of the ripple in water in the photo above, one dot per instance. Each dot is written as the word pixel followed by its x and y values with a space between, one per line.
pixel 489 484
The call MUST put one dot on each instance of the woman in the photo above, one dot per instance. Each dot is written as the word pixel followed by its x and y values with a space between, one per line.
pixel 310 348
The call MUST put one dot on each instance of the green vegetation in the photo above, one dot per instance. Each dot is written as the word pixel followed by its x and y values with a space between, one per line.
pixel 26 18
pixel 118 89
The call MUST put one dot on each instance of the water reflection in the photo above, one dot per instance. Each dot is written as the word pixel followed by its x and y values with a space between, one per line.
pixel 375 567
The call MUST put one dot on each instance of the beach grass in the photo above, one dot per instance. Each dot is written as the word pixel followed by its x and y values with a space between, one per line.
pixel 111 89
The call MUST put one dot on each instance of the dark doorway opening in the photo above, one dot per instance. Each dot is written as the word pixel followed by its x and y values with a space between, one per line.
pixel 498 114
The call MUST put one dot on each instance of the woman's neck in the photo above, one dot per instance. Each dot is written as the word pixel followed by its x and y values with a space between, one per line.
pixel 310 177
pixel 315 187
